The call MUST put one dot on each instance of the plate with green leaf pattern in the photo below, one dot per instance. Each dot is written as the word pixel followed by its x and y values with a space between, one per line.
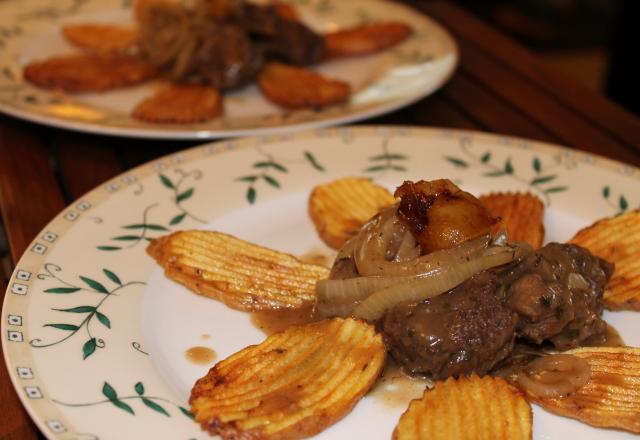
pixel 96 338
pixel 31 30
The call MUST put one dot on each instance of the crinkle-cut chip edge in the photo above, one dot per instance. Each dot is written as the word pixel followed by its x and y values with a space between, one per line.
pixel 521 225
pixel 484 406
pixel 180 104
pixel 338 209
pixel 605 362
pixel 617 239
pixel 263 289
pixel 328 400
pixel 294 87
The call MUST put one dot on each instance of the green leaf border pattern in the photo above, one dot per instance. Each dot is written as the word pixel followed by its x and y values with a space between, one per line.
pixel 89 311
pixel 180 194
pixel 621 205
pixel 118 401
pixel 542 179
pixel 387 161
pixel 269 169
pixel 135 233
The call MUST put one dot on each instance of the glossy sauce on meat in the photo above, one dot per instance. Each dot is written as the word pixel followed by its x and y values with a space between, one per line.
pixel 557 293
pixel 467 329
pixel 473 327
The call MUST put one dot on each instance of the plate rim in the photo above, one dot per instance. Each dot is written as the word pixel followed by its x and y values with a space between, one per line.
pixel 247 142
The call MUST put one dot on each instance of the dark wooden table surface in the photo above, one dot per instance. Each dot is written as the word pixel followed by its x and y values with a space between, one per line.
pixel 499 87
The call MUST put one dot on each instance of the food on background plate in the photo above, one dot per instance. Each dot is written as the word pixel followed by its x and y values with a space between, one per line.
pixel 617 239
pixel 243 275
pixel 467 408
pixel 451 296
pixel 339 208
pixel 610 397
pixel 294 384
pixel 89 72
pixel 217 44
pixel 180 103
pixel 293 87
pixel 101 37
pixel 520 215
pixel 365 39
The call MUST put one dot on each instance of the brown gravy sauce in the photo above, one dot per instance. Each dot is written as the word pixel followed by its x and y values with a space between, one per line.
pixel 395 389
pixel 200 355
pixel 608 378
pixel 274 321
pixel 610 338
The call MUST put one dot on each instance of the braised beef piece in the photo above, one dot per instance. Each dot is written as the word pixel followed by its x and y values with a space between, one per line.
pixel 222 43
pixel 557 293
pixel 225 58
pixel 552 296
pixel 286 40
pixel 467 329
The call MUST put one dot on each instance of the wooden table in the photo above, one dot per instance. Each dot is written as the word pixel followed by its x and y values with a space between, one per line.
pixel 499 87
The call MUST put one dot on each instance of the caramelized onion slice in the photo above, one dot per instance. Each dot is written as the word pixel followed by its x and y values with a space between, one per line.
pixel 340 297
pixel 435 283
pixel 555 375
pixel 369 265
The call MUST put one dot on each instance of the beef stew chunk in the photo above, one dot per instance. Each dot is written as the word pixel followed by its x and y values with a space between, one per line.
pixel 553 295
pixel 467 329
pixel 557 293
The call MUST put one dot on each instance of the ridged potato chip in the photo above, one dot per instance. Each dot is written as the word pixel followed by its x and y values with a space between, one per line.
pixel 617 240
pixel 467 408
pixel 521 215
pixel 293 385
pixel 100 37
pixel 243 275
pixel 365 39
pixel 295 87
pixel 340 208
pixel 88 72
pixel 180 103
pixel 611 397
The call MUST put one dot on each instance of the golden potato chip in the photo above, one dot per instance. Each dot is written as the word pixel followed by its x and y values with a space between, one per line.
pixel 340 208
pixel 180 103
pixel 467 408
pixel 243 275
pixel 617 240
pixel 100 37
pixel 611 397
pixel 365 39
pixel 293 385
pixel 295 87
pixel 88 72
pixel 521 215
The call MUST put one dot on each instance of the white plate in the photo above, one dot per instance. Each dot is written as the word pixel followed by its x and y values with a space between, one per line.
pixel 148 322
pixel 30 30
